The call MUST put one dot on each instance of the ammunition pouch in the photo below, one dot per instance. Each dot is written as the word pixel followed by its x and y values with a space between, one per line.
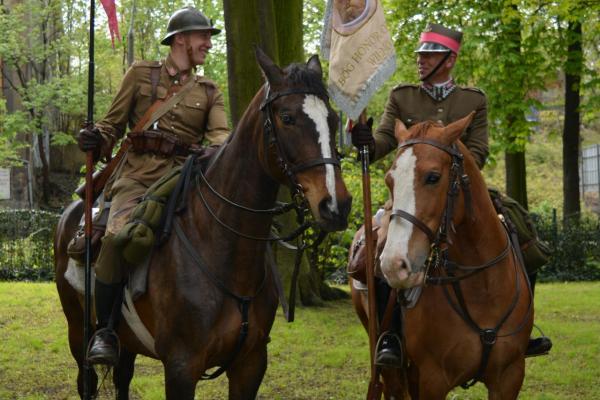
pixel 160 143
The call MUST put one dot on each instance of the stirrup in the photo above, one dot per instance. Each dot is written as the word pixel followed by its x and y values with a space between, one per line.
pixel 109 334
pixel 398 358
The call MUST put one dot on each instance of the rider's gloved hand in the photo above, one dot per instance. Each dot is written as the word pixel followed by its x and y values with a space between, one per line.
pixel 90 139
pixel 362 135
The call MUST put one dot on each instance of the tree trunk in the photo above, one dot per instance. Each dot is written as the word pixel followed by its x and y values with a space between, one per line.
pixel 247 23
pixel 516 177
pixel 516 173
pixel 571 130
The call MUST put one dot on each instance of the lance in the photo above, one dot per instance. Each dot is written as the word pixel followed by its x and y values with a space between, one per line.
pixel 88 203
pixel 375 386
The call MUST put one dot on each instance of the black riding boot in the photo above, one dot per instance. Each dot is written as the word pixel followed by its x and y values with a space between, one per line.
pixel 104 346
pixel 389 347
pixel 541 345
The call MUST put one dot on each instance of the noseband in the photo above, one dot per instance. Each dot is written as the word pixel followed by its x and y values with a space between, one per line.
pixel 271 139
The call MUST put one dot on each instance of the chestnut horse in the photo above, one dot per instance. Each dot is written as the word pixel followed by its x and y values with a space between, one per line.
pixel 210 300
pixel 475 312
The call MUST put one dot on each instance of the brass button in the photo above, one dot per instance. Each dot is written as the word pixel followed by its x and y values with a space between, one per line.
pixel 176 82
pixel 172 127
pixel 440 109
pixel 439 121
pixel 197 104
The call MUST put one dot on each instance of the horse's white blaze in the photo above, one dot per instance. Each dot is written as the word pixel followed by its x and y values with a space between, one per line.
pixel 400 230
pixel 316 109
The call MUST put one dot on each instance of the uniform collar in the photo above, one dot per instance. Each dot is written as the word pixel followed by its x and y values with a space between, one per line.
pixel 174 72
pixel 439 92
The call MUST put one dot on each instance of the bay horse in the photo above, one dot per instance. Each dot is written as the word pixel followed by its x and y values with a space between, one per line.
pixel 210 300
pixel 475 312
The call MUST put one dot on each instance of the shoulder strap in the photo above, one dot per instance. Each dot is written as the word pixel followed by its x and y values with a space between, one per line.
pixel 160 107
pixel 154 78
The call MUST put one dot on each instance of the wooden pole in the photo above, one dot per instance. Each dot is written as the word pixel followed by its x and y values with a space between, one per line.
pixel 375 387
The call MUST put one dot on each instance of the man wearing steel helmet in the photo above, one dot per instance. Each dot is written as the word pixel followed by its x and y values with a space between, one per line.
pixel 437 98
pixel 191 110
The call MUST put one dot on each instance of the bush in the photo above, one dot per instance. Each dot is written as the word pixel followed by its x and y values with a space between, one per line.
pixel 575 245
pixel 26 238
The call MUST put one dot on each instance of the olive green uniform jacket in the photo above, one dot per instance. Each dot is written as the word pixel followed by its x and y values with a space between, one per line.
pixel 199 115
pixel 411 104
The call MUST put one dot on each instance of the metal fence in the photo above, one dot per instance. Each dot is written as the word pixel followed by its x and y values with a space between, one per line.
pixel 590 170
pixel 26 238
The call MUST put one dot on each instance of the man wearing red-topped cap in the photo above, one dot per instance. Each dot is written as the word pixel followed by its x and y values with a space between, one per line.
pixel 437 98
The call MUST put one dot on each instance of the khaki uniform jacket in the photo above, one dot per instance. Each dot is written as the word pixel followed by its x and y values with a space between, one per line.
pixel 194 118
pixel 411 104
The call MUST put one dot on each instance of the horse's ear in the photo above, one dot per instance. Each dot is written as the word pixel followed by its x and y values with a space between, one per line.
pixel 314 64
pixel 271 71
pixel 400 131
pixel 453 131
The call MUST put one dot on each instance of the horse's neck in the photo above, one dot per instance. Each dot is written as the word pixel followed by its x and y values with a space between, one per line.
pixel 237 175
pixel 481 238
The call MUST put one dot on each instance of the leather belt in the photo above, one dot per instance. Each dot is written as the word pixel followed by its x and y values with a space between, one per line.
pixel 160 143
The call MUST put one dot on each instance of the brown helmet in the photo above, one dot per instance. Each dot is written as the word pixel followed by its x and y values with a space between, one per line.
pixel 188 19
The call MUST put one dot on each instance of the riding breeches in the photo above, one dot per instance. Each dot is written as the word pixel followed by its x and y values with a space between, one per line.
pixel 126 193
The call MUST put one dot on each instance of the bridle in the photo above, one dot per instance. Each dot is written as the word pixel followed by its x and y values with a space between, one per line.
pixel 290 170
pixel 438 256
pixel 440 240
pixel 271 139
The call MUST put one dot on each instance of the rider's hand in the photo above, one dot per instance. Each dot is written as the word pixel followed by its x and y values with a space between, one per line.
pixel 90 139
pixel 362 134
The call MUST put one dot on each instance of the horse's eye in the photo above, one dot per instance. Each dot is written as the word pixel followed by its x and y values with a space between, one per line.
pixel 287 119
pixel 432 178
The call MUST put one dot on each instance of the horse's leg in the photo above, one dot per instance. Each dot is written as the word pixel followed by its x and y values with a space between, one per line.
pixel 123 373
pixel 394 384
pixel 432 385
pixel 246 375
pixel 507 384
pixel 180 383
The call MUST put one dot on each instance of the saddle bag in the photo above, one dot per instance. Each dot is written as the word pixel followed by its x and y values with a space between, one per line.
pixel 137 237
pixel 76 247
pixel 536 252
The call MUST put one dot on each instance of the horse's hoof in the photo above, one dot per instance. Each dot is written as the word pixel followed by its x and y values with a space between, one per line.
pixel 104 348
pixel 538 347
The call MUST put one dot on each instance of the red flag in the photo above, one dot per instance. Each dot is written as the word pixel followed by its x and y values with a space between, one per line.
pixel 113 24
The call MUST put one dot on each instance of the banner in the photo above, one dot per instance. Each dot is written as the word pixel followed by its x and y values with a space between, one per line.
pixel 113 24
pixel 360 51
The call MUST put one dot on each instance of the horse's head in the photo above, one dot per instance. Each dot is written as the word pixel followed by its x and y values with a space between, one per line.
pixel 299 134
pixel 426 168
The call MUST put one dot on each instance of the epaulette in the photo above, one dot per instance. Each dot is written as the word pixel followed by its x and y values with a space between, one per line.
pixel 405 85
pixel 205 80
pixel 473 89
pixel 147 64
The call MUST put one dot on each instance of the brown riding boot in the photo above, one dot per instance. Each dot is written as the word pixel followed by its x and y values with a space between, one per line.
pixel 104 345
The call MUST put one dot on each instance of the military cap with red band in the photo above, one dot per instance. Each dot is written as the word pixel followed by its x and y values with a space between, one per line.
pixel 437 38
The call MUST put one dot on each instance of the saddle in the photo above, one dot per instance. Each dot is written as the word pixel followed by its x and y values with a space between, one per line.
pixel 357 258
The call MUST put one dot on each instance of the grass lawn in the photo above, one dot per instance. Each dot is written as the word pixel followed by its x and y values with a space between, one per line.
pixel 323 355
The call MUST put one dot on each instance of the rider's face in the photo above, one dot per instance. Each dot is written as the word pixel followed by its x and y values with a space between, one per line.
pixel 198 44
pixel 427 61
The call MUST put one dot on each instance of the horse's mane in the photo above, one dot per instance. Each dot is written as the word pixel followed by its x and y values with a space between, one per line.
pixel 299 75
